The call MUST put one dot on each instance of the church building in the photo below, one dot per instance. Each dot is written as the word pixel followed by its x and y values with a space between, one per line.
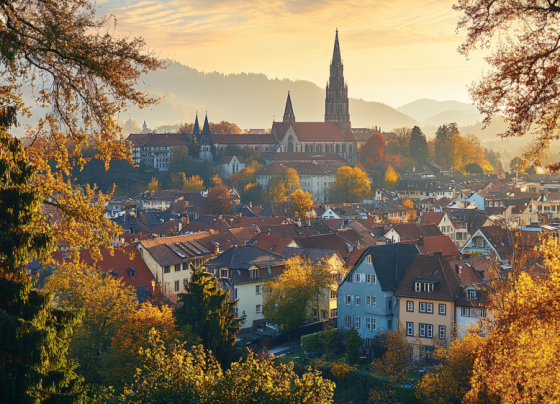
pixel 332 136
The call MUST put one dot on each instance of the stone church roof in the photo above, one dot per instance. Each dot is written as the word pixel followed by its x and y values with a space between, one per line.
pixel 312 131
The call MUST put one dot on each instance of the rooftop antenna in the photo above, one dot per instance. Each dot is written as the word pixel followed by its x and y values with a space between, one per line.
pixel 273 118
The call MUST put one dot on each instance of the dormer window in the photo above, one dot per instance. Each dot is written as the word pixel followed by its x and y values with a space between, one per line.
pixel 253 273
pixel 472 294
pixel 223 273
pixel 368 259
pixel 423 287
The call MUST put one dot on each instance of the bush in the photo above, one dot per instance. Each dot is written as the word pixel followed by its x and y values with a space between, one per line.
pixel 353 343
pixel 316 341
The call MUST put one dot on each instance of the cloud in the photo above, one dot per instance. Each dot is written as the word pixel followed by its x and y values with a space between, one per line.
pixel 294 38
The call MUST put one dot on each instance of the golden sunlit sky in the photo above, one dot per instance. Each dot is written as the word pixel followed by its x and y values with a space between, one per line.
pixel 393 51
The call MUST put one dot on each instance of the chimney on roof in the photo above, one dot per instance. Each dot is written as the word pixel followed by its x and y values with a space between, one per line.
pixel 250 204
pixel 299 222
pixel 458 269
pixel 421 241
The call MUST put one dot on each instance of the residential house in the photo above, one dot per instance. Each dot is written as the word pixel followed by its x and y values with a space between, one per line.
pixel 426 300
pixel 243 271
pixel 366 297
pixel 441 220
pixel 155 149
pixel 162 200
pixel 491 240
pixel 171 260
pixel 432 244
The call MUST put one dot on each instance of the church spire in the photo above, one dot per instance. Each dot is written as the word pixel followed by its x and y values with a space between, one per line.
pixel 336 59
pixel 196 128
pixel 336 100
pixel 206 127
pixel 289 111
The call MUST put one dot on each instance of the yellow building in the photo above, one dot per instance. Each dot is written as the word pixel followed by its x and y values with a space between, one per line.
pixel 426 301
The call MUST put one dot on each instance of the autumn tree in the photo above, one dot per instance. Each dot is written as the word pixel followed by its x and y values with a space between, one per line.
pixel 291 178
pixel 302 202
pixel 224 127
pixel 123 357
pixel 523 308
pixel 351 185
pixel 193 183
pixel 373 150
pixel 521 84
pixel 289 299
pixel 208 311
pixel 395 364
pixel 418 146
pixel 218 201
pixel 255 194
pixel 400 163
pixel 518 165
pixel 67 62
pixel 131 126
pixel 443 146
pixel 216 179
pixel 400 144
pixel 247 175
pixel 173 374
pixel 390 179
pixel 154 184
pixel 474 168
pixel 494 158
pixel 107 304
pixel 450 381
pixel 277 189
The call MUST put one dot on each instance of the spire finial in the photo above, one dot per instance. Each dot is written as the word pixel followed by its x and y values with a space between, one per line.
pixel 289 111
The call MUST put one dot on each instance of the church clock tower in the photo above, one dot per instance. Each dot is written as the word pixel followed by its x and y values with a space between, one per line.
pixel 336 102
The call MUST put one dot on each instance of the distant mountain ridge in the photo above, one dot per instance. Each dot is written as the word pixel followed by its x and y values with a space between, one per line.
pixel 249 100
pixel 432 112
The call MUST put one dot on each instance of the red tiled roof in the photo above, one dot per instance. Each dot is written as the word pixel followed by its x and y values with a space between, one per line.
pixel 432 217
pixel 271 242
pixel 119 263
pixel 434 244
pixel 325 241
pixel 413 231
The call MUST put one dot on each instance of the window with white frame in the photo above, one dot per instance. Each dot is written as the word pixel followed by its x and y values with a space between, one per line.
pixel 177 267
pixel 430 308
pixel 373 324
pixel 422 307
pixel 257 289
pixel 373 301
pixel 358 278
pixel 258 308
pixel 368 324
pixel 410 328
pixel 442 332
pixel 333 313
pixel 253 273
pixel 409 305
pixel 348 321
pixel 442 309
pixel 357 320
pixel 417 286
pixel 465 312
pixel 176 286
pixel 483 313
pixel 472 294
pixel 368 278
pixel 374 279
pixel 348 299
pixel 357 300
pixel 368 259
pixel 333 294
pixel 422 330
pixel 166 269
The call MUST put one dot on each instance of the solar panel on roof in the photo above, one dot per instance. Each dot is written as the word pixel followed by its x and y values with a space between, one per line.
pixel 200 247
pixel 191 247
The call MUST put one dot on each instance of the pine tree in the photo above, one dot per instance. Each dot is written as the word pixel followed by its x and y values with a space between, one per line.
pixel 418 146
pixel 33 335
pixel 209 312
pixel 443 148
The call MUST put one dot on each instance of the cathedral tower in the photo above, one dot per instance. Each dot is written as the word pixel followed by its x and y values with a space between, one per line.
pixel 336 102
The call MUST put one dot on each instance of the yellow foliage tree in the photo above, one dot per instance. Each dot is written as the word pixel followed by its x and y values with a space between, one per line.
pixel 518 360
pixel 277 189
pixel 408 203
pixel 302 202
pixel 291 178
pixel 450 380
pixel 173 374
pixel 217 180
pixel 391 178
pixel 107 304
pixel 351 185
pixel 154 184
pixel 123 358
pixel 194 183
pixel 289 299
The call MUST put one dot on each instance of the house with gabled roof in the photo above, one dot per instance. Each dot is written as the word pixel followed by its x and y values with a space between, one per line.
pixel 426 300
pixel 243 271
pixel 411 232
pixel 491 239
pixel 441 220
pixel 366 297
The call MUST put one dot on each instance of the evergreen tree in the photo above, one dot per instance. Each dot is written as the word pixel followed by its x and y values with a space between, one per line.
pixel 418 146
pixel 33 335
pixel 194 148
pixel 443 147
pixel 208 311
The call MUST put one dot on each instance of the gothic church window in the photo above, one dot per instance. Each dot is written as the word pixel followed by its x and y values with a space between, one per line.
pixel 338 148
pixel 290 147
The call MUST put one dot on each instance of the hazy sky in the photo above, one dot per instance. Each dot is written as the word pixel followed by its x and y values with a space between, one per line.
pixel 393 51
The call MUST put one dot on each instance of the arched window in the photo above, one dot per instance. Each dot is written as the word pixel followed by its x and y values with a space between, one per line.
pixel 306 148
pixel 311 148
pixel 337 148
pixel 290 147
pixel 344 148
pixel 318 148
pixel 350 149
